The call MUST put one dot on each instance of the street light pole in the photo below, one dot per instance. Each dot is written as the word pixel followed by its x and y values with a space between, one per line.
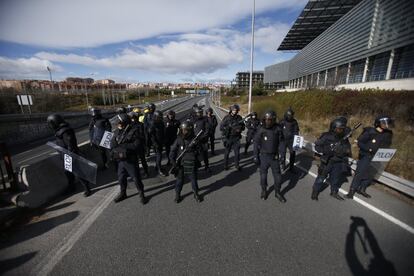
pixel 251 58
pixel 50 75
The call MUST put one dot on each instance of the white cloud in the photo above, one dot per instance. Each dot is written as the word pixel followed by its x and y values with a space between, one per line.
pixel 80 23
pixel 173 57
pixel 26 68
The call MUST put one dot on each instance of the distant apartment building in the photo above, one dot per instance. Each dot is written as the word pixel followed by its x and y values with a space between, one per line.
pixel 105 81
pixel 243 79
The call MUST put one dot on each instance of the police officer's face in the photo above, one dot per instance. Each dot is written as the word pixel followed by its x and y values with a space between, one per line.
pixel 339 131
pixel 268 122
pixel 384 124
pixel 234 112
pixel 185 132
pixel 121 126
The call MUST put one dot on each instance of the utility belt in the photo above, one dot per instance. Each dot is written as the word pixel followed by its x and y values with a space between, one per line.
pixel 120 154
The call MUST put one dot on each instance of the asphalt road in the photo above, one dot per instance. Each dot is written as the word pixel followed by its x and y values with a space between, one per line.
pixel 232 232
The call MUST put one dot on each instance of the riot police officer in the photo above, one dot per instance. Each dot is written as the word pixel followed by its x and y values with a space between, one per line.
pixel 370 140
pixel 148 120
pixel 135 123
pixel 212 122
pixel 171 130
pixel 66 138
pixel 266 152
pixel 200 123
pixel 97 128
pixel 157 136
pixel 124 146
pixel 189 164
pixel 231 128
pixel 290 128
pixel 335 151
pixel 252 125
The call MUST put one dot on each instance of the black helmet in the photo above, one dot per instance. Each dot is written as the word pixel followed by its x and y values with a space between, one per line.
pixel 95 112
pixel 158 115
pixel 235 107
pixel 338 123
pixel 385 120
pixel 269 118
pixel 171 113
pixel 186 128
pixel 254 114
pixel 151 107
pixel 121 110
pixel 209 110
pixel 198 111
pixel 123 119
pixel 55 121
pixel 289 114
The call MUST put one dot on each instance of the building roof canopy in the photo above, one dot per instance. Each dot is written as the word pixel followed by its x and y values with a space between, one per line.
pixel 316 17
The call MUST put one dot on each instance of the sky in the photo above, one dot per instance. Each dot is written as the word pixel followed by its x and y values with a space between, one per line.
pixel 141 41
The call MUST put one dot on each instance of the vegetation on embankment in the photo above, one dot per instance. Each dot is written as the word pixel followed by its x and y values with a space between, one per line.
pixel 315 109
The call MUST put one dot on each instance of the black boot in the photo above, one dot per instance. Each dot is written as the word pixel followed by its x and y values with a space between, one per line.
pixel 314 195
pixel 238 168
pixel 335 195
pixel 263 195
pixel 121 196
pixel 143 199
pixel 280 197
pixel 363 192
pixel 177 198
pixel 87 193
pixel 350 194
pixel 197 196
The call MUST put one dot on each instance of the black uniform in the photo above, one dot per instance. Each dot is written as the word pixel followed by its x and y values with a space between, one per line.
pixel 157 136
pixel 252 125
pixel 124 148
pixel 369 142
pixel 232 127
pixel 97 128
pixel 200 123
pixel 266 152
pixel 334 162
pixel 212 124
pixel 290 128
pixel 66 138
pixel 189 164
pixel 148 121
pixel 171 130
pixel 141 144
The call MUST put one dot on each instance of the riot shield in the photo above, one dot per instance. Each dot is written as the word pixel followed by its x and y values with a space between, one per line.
pixel 77 164
pixel 114 122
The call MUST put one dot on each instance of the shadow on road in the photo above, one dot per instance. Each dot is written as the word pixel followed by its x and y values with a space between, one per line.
pixel 9 264
pixel 305 162
pixel 25 230
pixel 232 179
pixel 360 235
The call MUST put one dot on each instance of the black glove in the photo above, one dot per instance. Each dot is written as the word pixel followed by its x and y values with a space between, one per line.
pixel 256 160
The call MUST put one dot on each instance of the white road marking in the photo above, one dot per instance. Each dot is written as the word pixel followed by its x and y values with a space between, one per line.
pixel 49 262
pixel 358 200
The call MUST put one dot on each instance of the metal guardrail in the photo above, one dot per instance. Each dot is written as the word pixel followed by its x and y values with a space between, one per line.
pixel 397 183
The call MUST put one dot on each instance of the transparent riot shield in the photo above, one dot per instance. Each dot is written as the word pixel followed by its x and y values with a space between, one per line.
pixel 77 164
pixel 380 161
pixel 114 122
